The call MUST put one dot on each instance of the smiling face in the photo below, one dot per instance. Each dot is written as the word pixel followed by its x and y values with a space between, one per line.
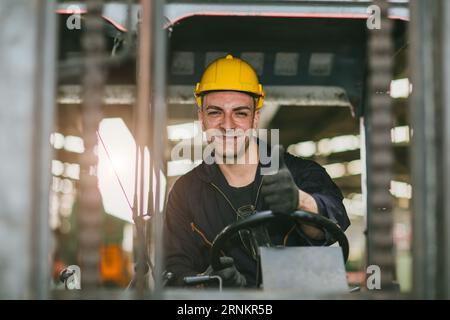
pixel 227 117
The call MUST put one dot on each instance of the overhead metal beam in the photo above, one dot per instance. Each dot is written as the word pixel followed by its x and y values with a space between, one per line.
pixel 282 95
pixel 178 10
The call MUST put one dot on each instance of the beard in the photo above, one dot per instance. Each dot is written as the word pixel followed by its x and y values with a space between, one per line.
pixel 230 147
pixel 232 150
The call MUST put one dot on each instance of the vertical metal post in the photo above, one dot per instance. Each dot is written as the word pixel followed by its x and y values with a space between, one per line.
pixel 141 124
pixel 430 112
pixel 159 134
pixel 423 148
pixel 44 120
pixel 380 239
pixel 91 208
pixel 364 154
pixel 446 137
pixel 26 118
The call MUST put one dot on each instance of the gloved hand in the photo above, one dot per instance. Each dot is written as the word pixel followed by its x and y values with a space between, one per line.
pixel 231 277
pixel 279 190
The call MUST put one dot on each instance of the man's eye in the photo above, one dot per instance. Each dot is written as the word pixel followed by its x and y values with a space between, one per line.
pixel 213 113
pixel 242 114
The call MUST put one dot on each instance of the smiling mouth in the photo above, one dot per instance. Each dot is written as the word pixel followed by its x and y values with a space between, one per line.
pixel 228 138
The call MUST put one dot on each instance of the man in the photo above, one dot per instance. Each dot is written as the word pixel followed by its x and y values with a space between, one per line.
pixel 214 195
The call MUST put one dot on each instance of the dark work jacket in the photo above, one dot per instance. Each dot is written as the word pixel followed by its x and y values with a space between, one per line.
pixel 197 212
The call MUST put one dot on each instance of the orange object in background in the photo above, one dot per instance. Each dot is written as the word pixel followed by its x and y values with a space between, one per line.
pixel 113 265
pixel 356 278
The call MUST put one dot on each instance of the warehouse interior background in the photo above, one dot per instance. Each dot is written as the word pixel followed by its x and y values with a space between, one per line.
pixel 313 58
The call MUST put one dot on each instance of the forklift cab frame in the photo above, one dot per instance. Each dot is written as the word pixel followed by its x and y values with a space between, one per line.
pixel 330 60
pixel 328 75
pixel 30 88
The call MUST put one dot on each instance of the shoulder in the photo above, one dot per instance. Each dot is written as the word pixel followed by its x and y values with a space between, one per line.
pixel 179 198
pixel 299 165
pixel 311 176
pixel 188 182
pixel 182 182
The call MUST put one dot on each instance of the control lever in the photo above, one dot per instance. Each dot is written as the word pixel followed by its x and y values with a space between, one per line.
pixel 195 280
pixel 167 276
pixel 71 277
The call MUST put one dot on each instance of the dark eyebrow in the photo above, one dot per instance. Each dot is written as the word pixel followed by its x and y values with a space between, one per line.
pixel 234 109
pixel 241 108
pixel 213 107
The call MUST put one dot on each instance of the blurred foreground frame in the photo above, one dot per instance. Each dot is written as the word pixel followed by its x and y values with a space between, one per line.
pixel 29 68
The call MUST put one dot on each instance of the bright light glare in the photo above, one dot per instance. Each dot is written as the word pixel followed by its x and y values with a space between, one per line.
pixel 400 88
pixel 180 167
pixel 354 167
pixel 57 167
pixel 57 140
pixel 121 147
pixel 74 144
pixel 305 149
pixel 324 147
pixel 401 189
pixel 335 170
pixel 72 170
pixel 127 242
pixel 400 134
pixel 354 205
pixel 344 143
pixel 327 146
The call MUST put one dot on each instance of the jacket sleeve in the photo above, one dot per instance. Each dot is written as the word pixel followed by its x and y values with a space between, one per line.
pixel 316 181
pixel 181 250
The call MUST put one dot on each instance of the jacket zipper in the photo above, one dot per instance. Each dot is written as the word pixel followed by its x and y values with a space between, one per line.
pixel 231 205
pixel 228 200
pixel 202 235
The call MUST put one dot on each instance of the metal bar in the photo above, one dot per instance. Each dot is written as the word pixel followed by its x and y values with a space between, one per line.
pixel 26 109
pixel 141 132
pixel 309 96
pixel 438 63
pixel 446 137
pixel 159 134
pixel 380 238
pixel 43 124
pixel 91 209
pixel 365 155
pixel 178 10
pixel 136 176
pixel 424 174
pixel 440 215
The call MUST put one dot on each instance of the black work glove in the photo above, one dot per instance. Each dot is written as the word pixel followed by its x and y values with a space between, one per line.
pixel 231 277
pixel 279 190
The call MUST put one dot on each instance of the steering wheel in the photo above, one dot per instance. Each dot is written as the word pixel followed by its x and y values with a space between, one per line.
pixel 263 217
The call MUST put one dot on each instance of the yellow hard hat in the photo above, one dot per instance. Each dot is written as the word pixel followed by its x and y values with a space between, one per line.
pixel 230 74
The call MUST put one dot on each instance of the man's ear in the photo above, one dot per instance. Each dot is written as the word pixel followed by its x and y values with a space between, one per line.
pixel 200 117
pixel 200 112
pixel 256 119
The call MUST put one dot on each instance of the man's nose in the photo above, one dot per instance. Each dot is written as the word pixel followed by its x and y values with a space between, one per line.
pixel 227 121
